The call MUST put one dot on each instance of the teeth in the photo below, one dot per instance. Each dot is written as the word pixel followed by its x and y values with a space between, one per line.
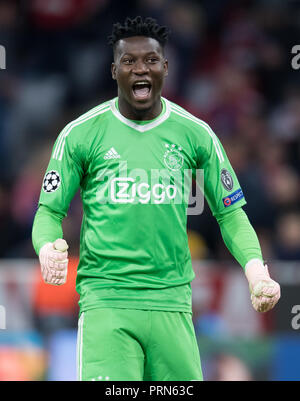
pixel 142 83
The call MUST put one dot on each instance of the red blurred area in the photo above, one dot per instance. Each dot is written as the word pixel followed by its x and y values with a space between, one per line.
pixel 61 13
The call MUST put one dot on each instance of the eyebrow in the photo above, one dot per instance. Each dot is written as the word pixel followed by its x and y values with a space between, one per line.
pixel 127 53
pixel 147 54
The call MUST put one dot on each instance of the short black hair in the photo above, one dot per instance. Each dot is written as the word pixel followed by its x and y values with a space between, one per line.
pixel 139 27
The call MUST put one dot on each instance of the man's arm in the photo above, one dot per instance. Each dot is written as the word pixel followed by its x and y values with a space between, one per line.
pixel 239 236
pixel 47 227
pixel 61 181
pixel 241 240
pixel 225 198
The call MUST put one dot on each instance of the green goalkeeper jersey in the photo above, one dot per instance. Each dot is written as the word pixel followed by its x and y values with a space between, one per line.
pixel 134 179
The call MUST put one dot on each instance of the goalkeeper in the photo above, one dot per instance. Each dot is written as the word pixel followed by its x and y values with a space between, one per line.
pixel 135 268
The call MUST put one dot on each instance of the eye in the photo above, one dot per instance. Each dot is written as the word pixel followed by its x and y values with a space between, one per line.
pixel 152 60
pixel 127 61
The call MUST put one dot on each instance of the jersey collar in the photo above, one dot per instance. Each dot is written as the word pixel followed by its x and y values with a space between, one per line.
pixel 143 127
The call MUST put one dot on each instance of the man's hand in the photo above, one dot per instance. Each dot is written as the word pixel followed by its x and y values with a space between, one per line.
pixel 54 262
pixel 265 292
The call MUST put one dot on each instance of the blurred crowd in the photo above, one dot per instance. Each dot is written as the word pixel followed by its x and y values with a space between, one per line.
pixel 229 64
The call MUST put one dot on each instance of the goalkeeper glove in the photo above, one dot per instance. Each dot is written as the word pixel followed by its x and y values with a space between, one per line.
pixel 265 292
pixel 53 258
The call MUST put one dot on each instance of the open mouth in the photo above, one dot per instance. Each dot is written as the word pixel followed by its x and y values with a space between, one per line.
pixel 141 90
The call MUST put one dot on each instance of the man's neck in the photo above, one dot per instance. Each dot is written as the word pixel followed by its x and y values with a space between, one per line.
pixel 142 115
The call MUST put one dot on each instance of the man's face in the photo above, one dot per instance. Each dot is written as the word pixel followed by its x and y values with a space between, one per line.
pixel 139 68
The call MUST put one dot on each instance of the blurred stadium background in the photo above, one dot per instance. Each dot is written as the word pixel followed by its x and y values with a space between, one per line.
pixel 231 65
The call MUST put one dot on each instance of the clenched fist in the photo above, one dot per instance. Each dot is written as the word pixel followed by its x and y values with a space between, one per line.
pixel 265 292
pixel 54 262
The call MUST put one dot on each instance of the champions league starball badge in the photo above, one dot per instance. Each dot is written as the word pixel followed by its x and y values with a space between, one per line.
pixel 51 181
pixel 173 159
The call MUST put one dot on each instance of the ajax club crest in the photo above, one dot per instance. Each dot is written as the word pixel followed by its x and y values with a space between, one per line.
pixel 173 158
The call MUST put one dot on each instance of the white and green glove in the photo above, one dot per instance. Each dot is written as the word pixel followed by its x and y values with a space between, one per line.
pixel 265 292
pixel 53 258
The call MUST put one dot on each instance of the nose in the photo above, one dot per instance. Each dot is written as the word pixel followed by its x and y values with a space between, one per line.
pixel 140 67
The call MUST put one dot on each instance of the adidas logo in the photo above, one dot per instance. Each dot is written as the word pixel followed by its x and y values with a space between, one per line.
pixel 112 154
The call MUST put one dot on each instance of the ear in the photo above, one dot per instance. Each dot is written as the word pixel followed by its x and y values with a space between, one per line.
pixel 166 67
pixel 113 71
